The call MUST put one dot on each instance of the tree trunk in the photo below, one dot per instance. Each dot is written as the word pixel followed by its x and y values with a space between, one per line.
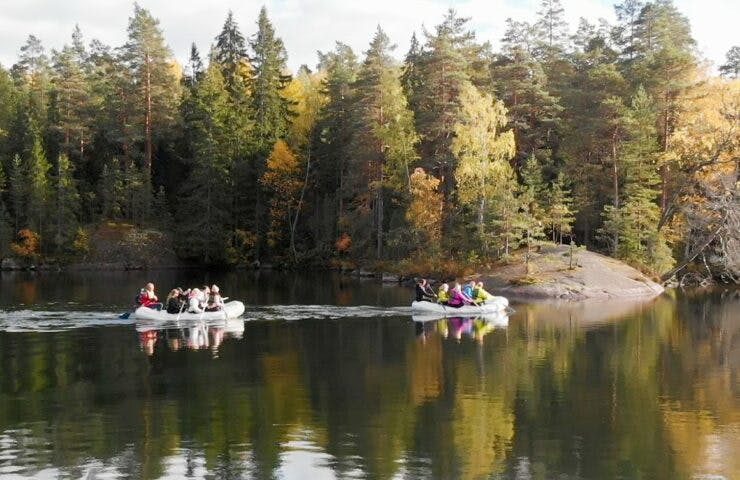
pixel 148 116
pixel 294 224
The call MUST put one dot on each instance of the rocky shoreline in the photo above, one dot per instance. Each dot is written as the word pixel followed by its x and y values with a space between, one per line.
pixel 551 274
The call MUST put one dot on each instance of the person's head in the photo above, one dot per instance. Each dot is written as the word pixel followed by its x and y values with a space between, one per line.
pixel 457 286
pixel 479 285
pixel 207 289
pixel 174 292
pixel 444 287
pixel 471 283
pixel 214 288
pixel 194 293
pixel 150 287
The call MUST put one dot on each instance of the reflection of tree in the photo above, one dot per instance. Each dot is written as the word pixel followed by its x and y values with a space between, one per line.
pixel 651 395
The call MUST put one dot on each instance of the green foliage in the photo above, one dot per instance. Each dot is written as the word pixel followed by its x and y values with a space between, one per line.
pixel 592 142
pixel 66 204
pixel 483 152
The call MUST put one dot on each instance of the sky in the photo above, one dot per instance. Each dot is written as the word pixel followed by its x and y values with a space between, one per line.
pixel 310 25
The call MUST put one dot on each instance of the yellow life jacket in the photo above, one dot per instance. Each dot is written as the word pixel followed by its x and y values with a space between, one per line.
pixel 481 295
pixel 443 296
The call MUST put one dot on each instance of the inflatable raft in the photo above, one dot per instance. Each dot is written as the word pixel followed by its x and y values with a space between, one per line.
pixel 231 310
pixel 492 305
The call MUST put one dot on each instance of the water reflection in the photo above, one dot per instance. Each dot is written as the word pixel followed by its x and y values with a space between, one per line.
pixel 187 334
pixel 475 328
pixel 650 390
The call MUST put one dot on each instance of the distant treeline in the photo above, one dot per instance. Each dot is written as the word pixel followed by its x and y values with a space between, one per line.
pixel 615 136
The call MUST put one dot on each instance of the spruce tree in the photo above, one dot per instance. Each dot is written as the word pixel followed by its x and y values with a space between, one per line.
pixel 271 107
pixel 67 204
pixel 333 138
pixel 383 140
pixel 111 190
pixel 39 188
pixel 230 52
pixel 6 226
pixel 203 219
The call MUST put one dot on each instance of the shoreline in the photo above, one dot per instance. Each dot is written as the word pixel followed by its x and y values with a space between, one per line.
pixel 551 275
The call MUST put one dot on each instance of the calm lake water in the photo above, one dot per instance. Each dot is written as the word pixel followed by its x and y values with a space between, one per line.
pixel 329 377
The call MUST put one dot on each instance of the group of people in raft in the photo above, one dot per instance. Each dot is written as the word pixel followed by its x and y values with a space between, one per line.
pixel 192 300
pixel 472 293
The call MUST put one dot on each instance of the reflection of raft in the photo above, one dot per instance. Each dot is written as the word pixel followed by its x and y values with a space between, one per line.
pixel 231 310
pixel 498 319
pixel 492 305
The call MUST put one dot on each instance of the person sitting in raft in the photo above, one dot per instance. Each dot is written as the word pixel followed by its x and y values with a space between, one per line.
pixel 467 289
pixel 148 298
pixel 457 298
pixel 215 300
pixel 423 292
pixel 480 294
pixel 443 295
pixel 174 303
pixel 194 304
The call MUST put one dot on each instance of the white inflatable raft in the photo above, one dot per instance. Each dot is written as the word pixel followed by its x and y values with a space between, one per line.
pixel 492 305
pixel 231 310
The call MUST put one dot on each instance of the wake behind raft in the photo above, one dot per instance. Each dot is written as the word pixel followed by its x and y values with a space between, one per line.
pixel 231 309
pixel 492 305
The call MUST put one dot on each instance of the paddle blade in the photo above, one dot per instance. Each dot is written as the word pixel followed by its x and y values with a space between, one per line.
pixel 124 316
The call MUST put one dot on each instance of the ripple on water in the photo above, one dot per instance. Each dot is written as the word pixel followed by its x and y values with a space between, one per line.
pixel 56 321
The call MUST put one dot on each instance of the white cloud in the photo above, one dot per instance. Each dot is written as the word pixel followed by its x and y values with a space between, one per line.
pixel 310 25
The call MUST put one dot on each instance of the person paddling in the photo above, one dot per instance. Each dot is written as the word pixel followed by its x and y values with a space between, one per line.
pixel 174 302
pixel 149 299
pixel 480 294
pixel 443 295
pixel 423 292
pixel 457 298
pixel 194 301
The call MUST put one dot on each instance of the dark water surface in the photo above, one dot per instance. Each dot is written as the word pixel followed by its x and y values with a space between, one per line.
pixel 331 378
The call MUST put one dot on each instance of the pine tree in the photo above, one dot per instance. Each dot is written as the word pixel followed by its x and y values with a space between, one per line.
pixel 72 102
pixel 533 112
pixel 551 28
pixel 634 223
pixel 533 183
pixel 67 203
pixel 482 150
pixel 560 214
pixel 32 70
pixel 443 71
pixel 149 60
pixel 731 69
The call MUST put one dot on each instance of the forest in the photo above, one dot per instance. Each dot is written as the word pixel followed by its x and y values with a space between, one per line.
pixel 617 137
